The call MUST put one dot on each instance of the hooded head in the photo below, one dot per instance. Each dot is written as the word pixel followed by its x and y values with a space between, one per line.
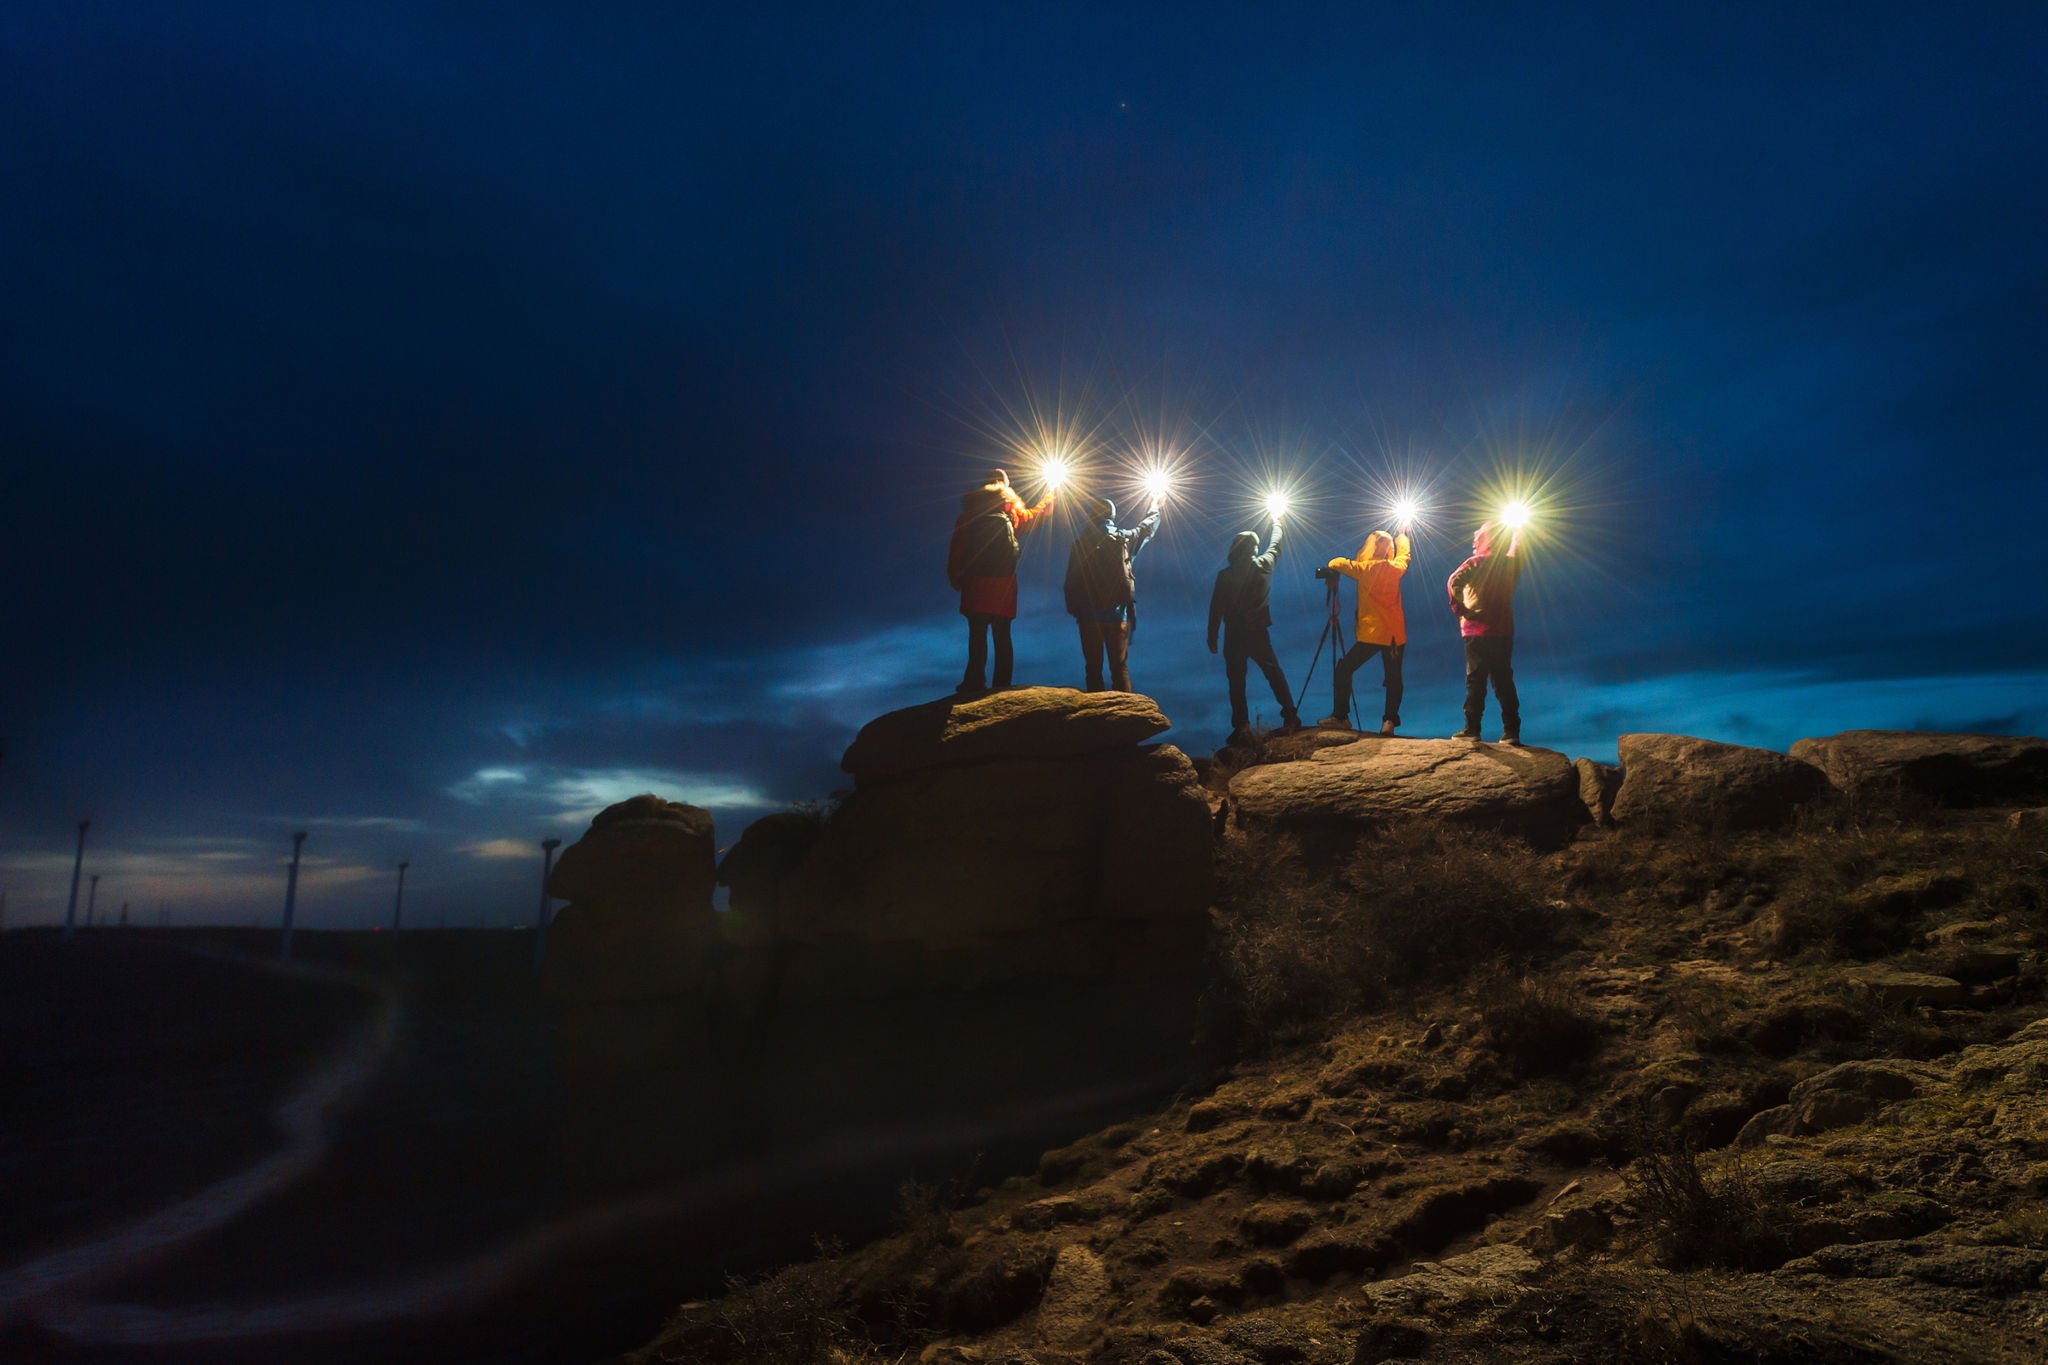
pixel 1001 476
pixel 1378 545
pixel 1492 537
pixel 1102 511
pixel 1244 546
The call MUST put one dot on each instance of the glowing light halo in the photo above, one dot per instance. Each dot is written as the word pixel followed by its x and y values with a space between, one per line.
pixel 1276 504
pixel 1055 471
pixel 1515 514
pixel 1157 483
pixel 1405 511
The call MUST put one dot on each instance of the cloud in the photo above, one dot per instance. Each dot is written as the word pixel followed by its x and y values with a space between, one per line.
pixel 497 849
pixel 481 785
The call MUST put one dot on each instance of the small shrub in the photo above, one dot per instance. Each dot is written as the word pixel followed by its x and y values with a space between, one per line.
pixel 1539 1026
pixel 1413 908
pixel 1699 1217
pixel 793 1317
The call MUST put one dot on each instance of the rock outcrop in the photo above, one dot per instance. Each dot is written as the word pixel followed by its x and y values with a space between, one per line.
pixel 1950 770
pixel 1599 783
pixel 1037 839
pixel 1678 780
pixel 639 920
pixel 1021 722
pixel 762 862
pixel 1533 793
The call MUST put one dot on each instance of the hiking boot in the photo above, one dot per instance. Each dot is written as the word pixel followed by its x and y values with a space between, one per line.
pixel 1240 735
pixel 1386 727
pixel 969 689
pixel 1290 724
pixel 1466 734
pixel 1512 741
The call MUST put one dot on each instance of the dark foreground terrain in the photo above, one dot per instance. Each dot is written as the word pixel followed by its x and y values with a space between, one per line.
pixel 1665 1094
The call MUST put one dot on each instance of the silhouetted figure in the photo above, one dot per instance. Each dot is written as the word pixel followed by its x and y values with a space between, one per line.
pixel 1380 627
pixel 981 563
pixel 1482 592
pixel 1102 591
pixel 1240 605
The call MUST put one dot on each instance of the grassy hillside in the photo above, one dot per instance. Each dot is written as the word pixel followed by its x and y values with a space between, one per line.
pixel 1479 1104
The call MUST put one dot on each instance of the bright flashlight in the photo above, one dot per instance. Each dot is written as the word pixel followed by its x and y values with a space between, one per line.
pixel 1156 484
pixel 1276 505
pixel 1515 515
pixel 1054 472
pixel 1405 511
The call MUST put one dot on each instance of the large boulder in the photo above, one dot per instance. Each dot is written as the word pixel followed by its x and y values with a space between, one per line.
pixel 643 854
pixel 599 953
pixel 1530 792
pixel 770 850
pixel 1679 780
pixel 1022 722
pixel 1951 770
pixel 1012 868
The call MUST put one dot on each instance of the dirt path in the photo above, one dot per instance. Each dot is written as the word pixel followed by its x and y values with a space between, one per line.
pixel 51 1288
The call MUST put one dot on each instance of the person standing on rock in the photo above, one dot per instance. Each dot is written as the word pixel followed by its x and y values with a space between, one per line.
pixel 1482 593
pixel 1240 605
pixel 1102 592
pixel 1380 627
pixel 981 564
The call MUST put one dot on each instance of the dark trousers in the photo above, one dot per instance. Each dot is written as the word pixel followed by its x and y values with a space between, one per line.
pixel 1390 667
pixel 1243 645
pixel 1106 639
pixel 1490 658
pixel 979 628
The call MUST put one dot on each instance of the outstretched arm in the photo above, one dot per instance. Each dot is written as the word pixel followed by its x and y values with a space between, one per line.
pixel 1271 557
pixel 1402 547
pixel 1144 531
pixel 1024 518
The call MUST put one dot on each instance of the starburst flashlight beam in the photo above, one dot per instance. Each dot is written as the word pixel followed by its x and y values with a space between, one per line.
pixel 1156 484
pixel 1515 515
pixel 1405 511
pixel 1054 472
pixel 1276 505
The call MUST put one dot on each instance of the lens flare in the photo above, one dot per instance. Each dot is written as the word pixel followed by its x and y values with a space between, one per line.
pixel 1054 472
pixel 1405 512
pixel 1156 484
pixel 1515 515
pixel 1276 505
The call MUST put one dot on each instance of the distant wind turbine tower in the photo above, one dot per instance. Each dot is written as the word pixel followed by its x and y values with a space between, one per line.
pixel 291 898
pixel 540 925
pixel 92 897
pixel 77 865
pixel 398 906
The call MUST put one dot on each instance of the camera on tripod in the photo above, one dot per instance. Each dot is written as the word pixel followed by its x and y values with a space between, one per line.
pixel 1328 574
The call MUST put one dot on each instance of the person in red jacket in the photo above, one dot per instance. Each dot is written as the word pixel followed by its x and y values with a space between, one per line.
pixel 981 563
pixel 1482 591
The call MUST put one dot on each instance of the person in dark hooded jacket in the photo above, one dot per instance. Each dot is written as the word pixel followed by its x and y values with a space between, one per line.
pixel 1239 605
pixel 1102 592
pixel 981 563
pixel 1482 593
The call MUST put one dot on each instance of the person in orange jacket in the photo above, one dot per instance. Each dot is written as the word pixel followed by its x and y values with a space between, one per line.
pixel 981 563
pixel 1380 627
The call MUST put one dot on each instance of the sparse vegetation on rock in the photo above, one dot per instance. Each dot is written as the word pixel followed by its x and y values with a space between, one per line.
pixel 1679 1091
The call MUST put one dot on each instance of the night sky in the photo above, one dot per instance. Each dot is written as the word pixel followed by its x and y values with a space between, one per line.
pixel 425 424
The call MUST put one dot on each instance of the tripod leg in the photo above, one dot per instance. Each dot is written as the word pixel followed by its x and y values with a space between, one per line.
pixel 1310 675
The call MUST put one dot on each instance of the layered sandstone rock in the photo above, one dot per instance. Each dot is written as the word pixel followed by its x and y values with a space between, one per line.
pixel 1952 770
pixel 1033 838
pixel 1021 722
pixel 639 922
pixel 1679 780
pixel 1530 792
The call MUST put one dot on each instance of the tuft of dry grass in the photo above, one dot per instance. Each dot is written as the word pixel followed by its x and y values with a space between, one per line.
pixel 1539 1025
pixel 1696 1216
pixel 1414 908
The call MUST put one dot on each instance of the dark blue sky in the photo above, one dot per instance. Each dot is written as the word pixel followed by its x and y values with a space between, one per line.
pixel 424 424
